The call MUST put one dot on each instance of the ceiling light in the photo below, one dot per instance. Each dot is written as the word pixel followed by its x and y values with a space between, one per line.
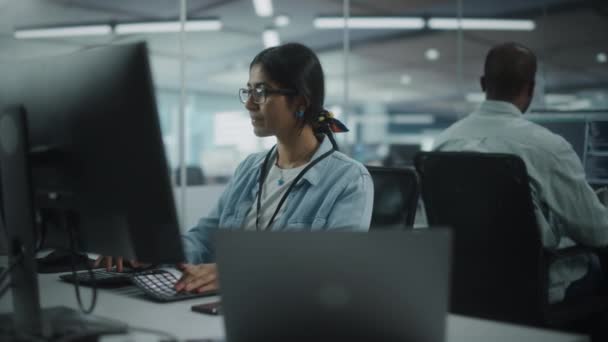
pixel 369 23
pixel 405 79
pixel 263 8
pixel 169 26
pixel 481 24
pixel 551 99
pixel 281 21
pixel 412 119
pixel 270 38
pixel 432 54
pixel 68 31
pixel 601 57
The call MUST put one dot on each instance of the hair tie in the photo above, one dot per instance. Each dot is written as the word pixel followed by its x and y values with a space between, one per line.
pixel 326 118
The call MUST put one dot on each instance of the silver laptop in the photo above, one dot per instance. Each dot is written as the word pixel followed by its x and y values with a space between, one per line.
pixel 334 286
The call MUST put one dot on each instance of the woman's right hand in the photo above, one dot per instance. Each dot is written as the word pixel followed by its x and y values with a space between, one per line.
pixel 108 262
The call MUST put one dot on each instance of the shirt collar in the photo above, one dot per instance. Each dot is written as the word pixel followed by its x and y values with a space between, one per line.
pixel 491 107
pixel 313 175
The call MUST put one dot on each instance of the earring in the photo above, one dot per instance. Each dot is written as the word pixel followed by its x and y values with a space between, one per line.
pixel 300 113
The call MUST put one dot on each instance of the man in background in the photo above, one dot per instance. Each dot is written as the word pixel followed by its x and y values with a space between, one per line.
pixel 567 209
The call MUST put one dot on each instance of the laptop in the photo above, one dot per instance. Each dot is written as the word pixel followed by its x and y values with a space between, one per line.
pixel 334 286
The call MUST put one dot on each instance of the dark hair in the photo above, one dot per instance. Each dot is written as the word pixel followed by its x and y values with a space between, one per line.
pixel 508 68
pixel 295 66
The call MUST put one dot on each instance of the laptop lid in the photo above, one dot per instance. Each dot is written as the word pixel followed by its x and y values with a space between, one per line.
pixel 334 286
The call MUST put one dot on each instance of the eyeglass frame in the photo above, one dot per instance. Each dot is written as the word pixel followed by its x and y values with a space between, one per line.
pixel 267 91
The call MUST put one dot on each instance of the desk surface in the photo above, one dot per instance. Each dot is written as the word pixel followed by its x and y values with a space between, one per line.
pixel 176 318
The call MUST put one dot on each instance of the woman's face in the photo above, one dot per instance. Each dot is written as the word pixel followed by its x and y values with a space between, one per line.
pixel 276 116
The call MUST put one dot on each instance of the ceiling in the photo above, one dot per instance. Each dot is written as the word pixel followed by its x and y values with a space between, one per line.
pixel 568 36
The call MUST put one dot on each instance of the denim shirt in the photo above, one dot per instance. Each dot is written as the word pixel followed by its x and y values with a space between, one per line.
pixel 335 194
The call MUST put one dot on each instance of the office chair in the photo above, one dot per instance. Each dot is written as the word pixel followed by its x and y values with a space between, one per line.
pixel 396 193
pixel 194 175
pixel 500 266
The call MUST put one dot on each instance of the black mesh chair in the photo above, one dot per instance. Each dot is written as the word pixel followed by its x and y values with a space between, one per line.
pixel 396 193
pixel 499 264
pixel 194 175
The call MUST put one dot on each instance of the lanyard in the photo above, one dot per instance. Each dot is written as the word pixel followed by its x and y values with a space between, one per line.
pixel 295 181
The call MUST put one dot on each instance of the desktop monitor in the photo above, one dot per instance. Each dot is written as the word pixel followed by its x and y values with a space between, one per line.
pixel 83 165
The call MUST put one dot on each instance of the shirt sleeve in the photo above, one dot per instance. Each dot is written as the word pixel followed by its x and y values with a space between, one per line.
pixel 353 207
pixel 573 201
pixel 198 247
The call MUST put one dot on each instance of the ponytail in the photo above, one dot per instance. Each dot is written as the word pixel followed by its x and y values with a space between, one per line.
pixel 327 124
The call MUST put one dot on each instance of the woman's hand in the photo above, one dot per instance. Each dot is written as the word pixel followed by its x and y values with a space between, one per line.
pixel 197 278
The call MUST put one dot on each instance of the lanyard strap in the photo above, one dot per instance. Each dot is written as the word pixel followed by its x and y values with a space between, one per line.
pixel 295 181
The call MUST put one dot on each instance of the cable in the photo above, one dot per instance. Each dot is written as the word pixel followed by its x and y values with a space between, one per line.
pixel 7 271
pixel 73 264
pixel 10 267
pixel 4 289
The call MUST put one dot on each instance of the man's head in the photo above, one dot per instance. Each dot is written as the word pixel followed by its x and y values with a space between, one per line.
pixel 509 74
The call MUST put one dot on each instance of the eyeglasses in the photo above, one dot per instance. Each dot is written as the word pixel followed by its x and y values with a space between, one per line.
pixel 259 94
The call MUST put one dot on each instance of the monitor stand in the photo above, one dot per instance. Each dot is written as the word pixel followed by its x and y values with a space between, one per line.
pixel 28 321
pixel 63 324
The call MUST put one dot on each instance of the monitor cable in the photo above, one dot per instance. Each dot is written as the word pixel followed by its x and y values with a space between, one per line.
pixel 7 271
pixel 67 223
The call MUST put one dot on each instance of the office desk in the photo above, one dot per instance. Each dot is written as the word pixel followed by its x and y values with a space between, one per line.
pixel 176 318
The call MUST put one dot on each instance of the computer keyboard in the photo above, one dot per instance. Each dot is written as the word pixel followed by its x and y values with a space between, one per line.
pixel 157 284
pixel 101 278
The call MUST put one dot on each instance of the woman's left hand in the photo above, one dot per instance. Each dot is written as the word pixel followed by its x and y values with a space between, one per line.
pixel 197 278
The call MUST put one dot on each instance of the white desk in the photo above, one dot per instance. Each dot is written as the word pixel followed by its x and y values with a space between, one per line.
pixel 177 319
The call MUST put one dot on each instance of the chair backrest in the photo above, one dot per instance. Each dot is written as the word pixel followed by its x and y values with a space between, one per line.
pixel 396 193
pixel 498 270
pixel 194 175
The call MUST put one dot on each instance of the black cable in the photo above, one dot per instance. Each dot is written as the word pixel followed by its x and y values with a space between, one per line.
pixel 6 272
pixel 4 289
pixel 73 264
pixel 41 231
pixel 10 267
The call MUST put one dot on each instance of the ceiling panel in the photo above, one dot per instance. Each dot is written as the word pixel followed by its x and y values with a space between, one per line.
pixel 568 36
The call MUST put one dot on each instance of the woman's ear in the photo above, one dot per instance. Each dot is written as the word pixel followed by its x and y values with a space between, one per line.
pixel 302 102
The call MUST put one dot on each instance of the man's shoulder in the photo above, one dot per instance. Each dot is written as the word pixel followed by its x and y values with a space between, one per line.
pixel 544 138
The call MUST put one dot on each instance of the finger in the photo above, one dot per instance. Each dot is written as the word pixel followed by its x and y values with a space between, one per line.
pixel 181 283
pixel 209 287
pixel 108 263
pixel 135 264
pixel 195 284
pixel 190 274
pixel 119 265
pixel 98 261
pixel 201 281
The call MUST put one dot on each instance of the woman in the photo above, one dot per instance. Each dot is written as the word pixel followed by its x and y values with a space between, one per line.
pixel 284 97
pixel 302 183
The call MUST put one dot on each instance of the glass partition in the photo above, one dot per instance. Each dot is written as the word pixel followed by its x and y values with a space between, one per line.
pixel 398 72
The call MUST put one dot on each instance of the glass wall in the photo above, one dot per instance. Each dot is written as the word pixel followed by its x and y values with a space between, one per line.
pixel 397 72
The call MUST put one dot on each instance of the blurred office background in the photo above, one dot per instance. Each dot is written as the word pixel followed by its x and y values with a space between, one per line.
pixel 397 72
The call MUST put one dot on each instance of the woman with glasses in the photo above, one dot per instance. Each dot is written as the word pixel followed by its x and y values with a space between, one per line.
pixel 303 183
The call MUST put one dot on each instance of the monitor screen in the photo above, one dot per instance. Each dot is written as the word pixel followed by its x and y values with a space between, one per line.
pixel 95 151
pixel 83 168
